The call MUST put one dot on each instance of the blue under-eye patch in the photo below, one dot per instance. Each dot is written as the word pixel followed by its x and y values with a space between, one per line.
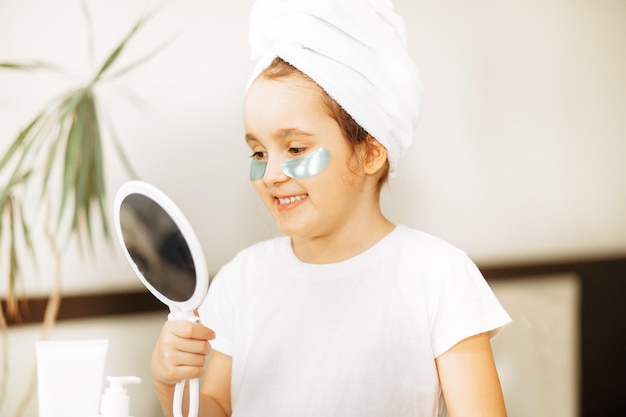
pixel 257 169
pixel 307 166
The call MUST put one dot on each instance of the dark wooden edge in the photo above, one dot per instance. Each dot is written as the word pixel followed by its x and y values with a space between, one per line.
pixel 127 302
pixel 583 267
pixel 86 306
pixel 602 327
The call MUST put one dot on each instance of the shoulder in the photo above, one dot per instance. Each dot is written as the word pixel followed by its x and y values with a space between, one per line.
pixel 423 239
pixel 425 264
pixel 423 248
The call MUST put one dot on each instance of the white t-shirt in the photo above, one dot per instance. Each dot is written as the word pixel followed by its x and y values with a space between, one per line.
pixel 353 338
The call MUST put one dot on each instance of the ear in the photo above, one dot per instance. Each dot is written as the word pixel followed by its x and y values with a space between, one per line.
pixel 376 156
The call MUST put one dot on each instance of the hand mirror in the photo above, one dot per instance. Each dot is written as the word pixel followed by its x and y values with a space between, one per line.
pixel 164 252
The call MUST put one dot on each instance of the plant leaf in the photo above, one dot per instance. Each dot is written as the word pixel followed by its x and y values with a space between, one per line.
pixel 71 161
pixel 61 132
pixel 82 189
pixel 68 105
pixel 13 261
pixel 141 60
pixel 25 139
pixel 99 180
pixel 117 51
pixel 27 235
pixel 119 149
pixel 19 140
pixel 90 32
pixel 99 183
pixel 31 66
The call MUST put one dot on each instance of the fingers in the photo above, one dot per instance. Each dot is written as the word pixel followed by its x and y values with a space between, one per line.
pixel 181 351
pixel 189 330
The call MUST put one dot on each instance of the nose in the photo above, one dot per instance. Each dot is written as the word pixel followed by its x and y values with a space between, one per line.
pixel 274 171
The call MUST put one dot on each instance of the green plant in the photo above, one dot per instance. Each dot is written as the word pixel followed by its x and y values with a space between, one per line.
pixel 64 141
pixel 12 217
pixel 61 145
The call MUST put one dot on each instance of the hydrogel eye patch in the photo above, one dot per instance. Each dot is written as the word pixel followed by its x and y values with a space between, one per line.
pixel 257 169
pixel 310 164
pixel 307 166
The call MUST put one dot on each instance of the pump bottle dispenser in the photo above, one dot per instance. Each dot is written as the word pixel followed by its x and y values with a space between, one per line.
pixel 115 400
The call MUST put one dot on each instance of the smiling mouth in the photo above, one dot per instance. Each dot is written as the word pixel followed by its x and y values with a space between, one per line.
pixel 283 201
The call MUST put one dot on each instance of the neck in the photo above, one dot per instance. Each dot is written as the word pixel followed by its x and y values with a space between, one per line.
pixel 343 244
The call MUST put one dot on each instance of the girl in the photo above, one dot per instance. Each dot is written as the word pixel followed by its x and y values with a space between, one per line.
pixel 348 314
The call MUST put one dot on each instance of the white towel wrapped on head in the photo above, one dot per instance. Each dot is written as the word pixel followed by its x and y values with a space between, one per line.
pixel 355 50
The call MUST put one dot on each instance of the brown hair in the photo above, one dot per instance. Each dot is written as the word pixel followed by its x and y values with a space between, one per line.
pixel 356 136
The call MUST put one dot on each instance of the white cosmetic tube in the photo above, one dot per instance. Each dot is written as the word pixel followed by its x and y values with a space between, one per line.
pixel 69 377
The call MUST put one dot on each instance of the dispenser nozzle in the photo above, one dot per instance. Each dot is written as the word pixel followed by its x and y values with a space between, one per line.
pixel 115 400
pixel 118 382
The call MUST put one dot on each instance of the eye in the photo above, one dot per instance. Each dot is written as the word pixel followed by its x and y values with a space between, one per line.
pixel 259 155
pixel 296 151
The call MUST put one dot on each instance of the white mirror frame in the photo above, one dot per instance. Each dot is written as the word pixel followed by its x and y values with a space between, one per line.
pixel 202 276
pixel 183 310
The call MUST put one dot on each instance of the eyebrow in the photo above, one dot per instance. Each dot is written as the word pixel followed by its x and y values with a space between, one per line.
pixel 284 133
pixel 251 138
pixel 281 134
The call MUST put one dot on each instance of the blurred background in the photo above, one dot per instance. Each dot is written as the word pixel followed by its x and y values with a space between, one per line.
pixel 518 160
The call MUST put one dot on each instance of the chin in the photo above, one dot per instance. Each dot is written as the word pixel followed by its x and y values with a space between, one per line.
pixel 293 230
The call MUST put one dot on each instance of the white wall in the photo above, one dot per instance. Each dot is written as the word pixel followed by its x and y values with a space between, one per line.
pixel 521 146
pixel 518 155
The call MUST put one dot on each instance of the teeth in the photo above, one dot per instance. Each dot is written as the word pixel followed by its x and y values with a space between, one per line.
pixel 288 200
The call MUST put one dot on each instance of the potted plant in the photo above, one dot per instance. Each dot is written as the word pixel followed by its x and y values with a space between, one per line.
pixel 62 143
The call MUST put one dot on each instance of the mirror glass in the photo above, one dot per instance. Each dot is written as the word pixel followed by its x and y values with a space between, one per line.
pixel 161 246
pixel 157 247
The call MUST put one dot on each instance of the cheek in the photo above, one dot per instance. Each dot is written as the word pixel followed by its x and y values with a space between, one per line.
pixel 333 183
pixel 259 187
pixel 265 196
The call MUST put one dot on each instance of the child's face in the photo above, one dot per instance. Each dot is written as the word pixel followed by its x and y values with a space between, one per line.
pixel 284 121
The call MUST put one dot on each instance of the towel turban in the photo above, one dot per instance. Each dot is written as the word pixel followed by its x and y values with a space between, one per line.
pixel 355 50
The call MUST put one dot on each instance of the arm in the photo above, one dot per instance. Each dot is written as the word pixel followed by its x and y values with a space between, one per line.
pixel 469 379
pixel 215 390
pixel 181 353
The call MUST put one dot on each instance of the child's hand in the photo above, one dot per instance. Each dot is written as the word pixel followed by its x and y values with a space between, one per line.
pixel 180 352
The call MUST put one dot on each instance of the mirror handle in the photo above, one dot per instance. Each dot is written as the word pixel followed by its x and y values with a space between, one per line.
pixel 183 315
pixel 193 398
pixel 194 388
